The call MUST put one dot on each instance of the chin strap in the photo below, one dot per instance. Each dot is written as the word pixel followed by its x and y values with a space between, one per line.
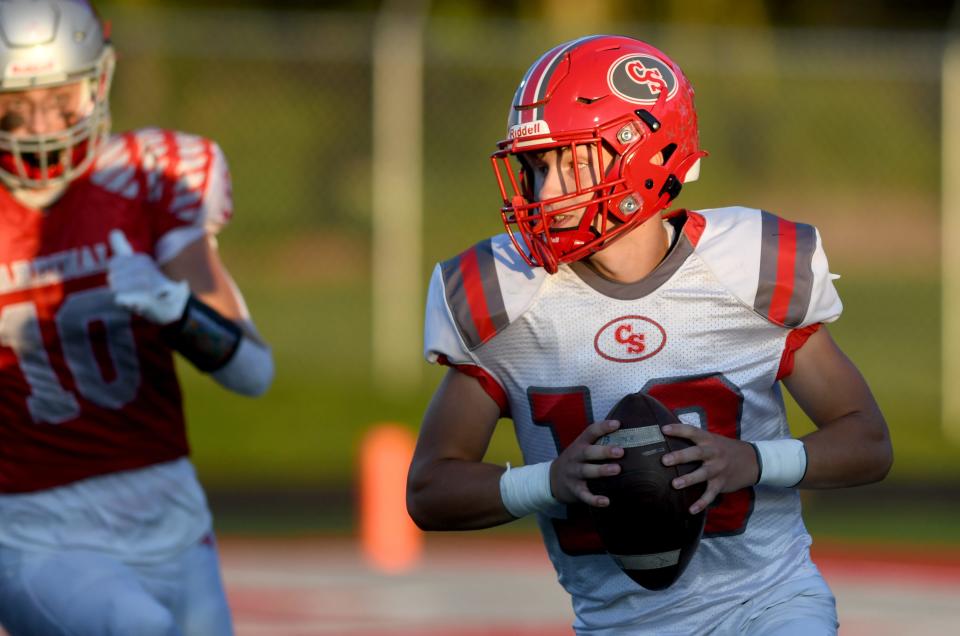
pixel 545 255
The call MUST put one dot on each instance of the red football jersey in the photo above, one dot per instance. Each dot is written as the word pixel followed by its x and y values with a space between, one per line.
pixel 86 387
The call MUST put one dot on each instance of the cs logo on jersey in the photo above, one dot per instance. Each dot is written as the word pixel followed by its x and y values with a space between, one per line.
pixel 641 79
pixel 629 339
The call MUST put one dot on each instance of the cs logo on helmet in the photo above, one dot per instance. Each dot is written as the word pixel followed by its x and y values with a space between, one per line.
pixel 641 79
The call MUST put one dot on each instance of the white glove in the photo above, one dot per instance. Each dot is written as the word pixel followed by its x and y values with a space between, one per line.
pixel 139 286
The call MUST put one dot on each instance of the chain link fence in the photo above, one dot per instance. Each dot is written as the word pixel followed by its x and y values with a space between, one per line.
pixel 838 128
pixel 803 114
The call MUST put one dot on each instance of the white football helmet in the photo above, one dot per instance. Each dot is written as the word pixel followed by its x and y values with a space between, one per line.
pixel 46 44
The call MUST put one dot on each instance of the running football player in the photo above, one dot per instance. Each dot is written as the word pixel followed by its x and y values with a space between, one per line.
pixel 596 291
pixel 108 266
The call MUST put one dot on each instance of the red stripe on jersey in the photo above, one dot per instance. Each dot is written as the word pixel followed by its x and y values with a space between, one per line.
pixel 795 339
pixel 170 170
pixel 694 227
pixel 487 382
pixel 130 142
pixel 476 300
pixel 207 168
pixel 786 267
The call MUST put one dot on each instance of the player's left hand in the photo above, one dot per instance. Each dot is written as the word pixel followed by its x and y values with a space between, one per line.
pixel 139 286
pixel 727 464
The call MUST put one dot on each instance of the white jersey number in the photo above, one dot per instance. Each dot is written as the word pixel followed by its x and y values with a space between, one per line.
pixel 85 319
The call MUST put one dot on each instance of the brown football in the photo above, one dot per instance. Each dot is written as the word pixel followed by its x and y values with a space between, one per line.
pixel 647 528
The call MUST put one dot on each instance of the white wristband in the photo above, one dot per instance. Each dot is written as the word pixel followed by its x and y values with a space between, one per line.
pixel 782 462
pixel 526 489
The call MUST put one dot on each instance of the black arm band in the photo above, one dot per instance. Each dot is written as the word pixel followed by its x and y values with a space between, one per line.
pixel 203 336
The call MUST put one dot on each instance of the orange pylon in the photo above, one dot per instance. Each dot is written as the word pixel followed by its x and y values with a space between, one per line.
pixel 390 540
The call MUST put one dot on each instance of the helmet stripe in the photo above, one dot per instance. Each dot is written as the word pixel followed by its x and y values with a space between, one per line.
pixel 535 82
pixel 531 83
pixel 543 81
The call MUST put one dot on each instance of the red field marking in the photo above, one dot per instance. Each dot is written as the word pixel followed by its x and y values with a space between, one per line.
pixel 455 550
pixel 904 564
pixel 465 584
pixel 492 584
pixel 458 550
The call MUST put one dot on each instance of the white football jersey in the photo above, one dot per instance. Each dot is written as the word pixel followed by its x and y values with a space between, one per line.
pixel 709 333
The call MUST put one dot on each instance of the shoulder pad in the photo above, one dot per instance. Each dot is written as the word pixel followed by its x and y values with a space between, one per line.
pixel 775 266
pixel 475 295
pixel 182 178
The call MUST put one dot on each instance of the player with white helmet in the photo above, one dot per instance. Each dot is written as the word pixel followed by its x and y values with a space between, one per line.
pixel 57 68
pixel 596 291
pixel 108 265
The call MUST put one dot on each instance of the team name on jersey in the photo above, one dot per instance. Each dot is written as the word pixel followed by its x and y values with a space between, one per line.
pixel 53 268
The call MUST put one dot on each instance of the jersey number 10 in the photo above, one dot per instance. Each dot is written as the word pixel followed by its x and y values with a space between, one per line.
pixel 49 402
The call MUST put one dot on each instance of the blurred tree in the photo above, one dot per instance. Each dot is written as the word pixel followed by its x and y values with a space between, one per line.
pixel 751 13
pixel 567 15
pixel 890 14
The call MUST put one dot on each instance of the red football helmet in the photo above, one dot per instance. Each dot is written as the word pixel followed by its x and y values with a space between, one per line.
pixel 600 91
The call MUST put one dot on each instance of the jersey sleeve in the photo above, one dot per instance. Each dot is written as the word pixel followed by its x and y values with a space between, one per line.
pixel 444 345
pixel 442 341
pixel 187 188
pixel 776 267
pixel 473 297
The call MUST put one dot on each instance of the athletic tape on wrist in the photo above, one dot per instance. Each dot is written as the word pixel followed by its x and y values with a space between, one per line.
pixel 526 489
pixel 782 462
pixel 203 336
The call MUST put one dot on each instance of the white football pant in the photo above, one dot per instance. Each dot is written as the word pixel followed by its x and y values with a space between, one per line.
pixel 805 607
pixel 83 593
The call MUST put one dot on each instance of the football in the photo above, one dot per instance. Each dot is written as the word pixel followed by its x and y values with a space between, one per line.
pixel 647 528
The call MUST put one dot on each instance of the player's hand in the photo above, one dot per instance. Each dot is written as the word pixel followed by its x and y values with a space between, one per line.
pixel 728 464
pixel 139 286
pixel 579 462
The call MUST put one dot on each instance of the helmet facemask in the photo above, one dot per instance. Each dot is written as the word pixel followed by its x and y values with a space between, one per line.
pixel 48 48
pixel 41 160
pixel 537 220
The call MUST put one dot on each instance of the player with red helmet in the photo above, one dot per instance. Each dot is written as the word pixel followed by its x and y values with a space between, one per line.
pixel 637 112
pixel 108 265
pixel 596 291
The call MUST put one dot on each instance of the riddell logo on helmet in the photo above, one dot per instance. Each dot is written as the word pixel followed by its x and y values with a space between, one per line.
pixel 26 68
pixel 629 339
pixel 538 127
pixel 641 79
